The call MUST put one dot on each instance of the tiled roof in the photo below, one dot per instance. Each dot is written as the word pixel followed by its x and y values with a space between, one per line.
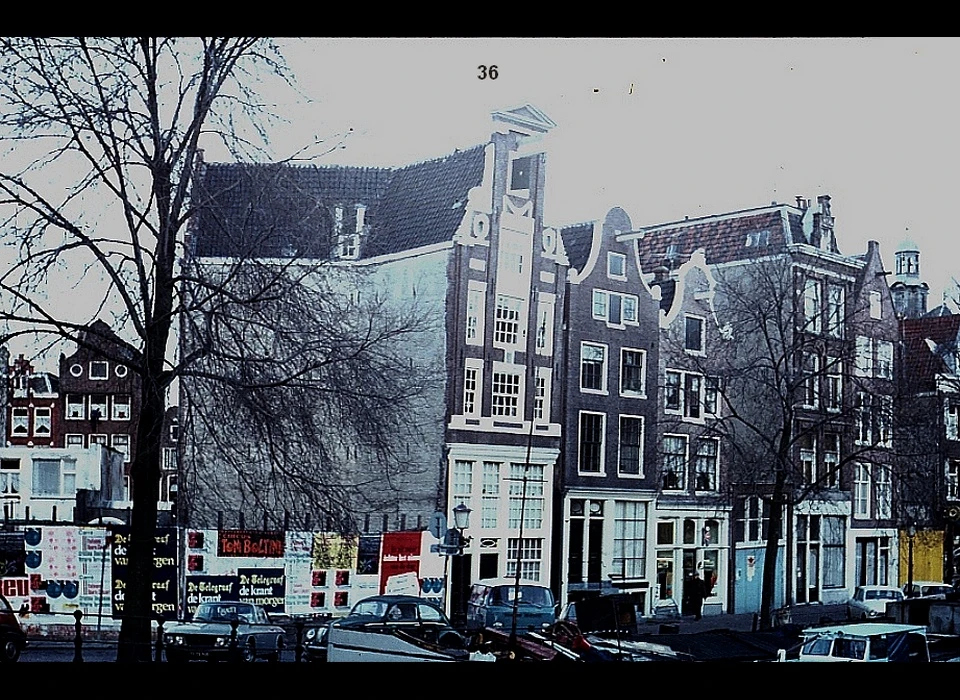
pixel 921 362
pixel 723 237
pixel 272 210
pixel 577 240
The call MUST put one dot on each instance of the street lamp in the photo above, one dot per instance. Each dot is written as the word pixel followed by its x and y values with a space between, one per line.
pixel 911 533
pixel 461 521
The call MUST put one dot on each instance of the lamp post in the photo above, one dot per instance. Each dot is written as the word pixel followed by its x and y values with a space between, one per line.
pixel 911 533
pixel 461 521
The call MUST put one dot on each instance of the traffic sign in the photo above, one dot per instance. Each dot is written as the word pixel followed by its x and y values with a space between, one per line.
pixel 438 525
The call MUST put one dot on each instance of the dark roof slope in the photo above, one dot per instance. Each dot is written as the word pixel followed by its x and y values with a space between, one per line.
pixel 923 363
pixel 723 237
pixel 281 210
pixel 577 241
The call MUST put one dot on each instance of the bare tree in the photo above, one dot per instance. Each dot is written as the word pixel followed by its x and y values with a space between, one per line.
pixel 785 385
pixel 102 137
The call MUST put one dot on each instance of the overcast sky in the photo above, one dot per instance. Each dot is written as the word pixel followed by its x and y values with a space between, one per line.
pixel 667 128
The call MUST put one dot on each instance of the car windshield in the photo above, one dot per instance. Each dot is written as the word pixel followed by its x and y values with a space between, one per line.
pixel 375 608
pixel 883 595
pixel 530 595
pixel 223 612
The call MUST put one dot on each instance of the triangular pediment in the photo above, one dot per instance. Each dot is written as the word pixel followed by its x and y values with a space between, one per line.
pixel 527 117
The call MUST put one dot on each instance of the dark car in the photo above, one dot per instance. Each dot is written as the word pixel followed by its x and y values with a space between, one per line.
pixel 411 617
pixel 209 635
pixel 12 637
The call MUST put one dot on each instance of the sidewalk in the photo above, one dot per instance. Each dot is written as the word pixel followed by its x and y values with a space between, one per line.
pixel 808 615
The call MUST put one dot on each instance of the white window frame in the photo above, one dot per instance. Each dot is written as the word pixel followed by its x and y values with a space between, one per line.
pixel 682 461
pixel 532 503
pixel 863 365
pixel 42 417
pixel 863 419
pixel 861 490
pixel 629 539
pixel 545 315
pixel 642 392
pixel 73 440
pixel 835 307
pixel 507 404
pixel 833 401
pixel 689 411
pixel 98 439
pixel 884 491
pixel 476 304
pixel 72 407
pixel 620 445
pixel 531 556
pixel 611 272
pixel 119 414
pixel 121 443
pixel 490 494
pixel 20 421
pixel 811 380
pixel 106 370
pixel 101 402
pixel 543 379
pixel 812 310
pixel 714 469
pixel 472 386
pixel 461 483
pixel 883 365
pixel 952 421
pixel 807 448
pixel 601 470
pixel 876 306
pixel 687 318
pixel 602 308
pixel 586 347
pixel 66 477
pixel 952 481
pixel 831 459
pixel 508 329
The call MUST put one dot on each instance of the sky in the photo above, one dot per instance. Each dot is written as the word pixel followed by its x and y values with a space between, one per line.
pixel 667 128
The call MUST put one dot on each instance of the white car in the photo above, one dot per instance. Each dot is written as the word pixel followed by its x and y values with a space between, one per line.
pixel 870 602
pixel 927 589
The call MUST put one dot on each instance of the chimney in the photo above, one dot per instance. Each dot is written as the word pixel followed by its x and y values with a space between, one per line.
pixel 802 203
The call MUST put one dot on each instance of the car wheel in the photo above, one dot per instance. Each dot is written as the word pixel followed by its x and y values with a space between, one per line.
pixel 10 651
pixel 250 651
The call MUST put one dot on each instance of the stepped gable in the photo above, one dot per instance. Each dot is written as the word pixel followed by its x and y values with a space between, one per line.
pixel 424 203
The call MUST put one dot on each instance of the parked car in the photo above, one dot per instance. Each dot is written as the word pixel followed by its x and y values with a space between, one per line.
pixel 12 637
pixel 865 642
pixel 869 602
pixel 389 628
pixel 209 635
pixel 491 604
pixel 927 589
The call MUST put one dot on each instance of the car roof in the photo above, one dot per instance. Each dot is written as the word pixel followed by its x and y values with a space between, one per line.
pixel 874 587
pixel 862 629
pixel 396 598
pixel 507 581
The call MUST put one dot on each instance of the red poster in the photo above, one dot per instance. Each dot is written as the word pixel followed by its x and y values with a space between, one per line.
pixel 400 554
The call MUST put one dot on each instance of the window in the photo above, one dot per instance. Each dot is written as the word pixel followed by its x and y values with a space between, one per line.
pixel 615 308
pixel 532 505
pixel 9 477
pixel 490 499
pixel 953 480
pixel 121 407
pixel 674 461
pixel 631 446
pixel 883 491
pixel 591 443
pixel 520 175
pixel 629 539
pixel 531 553
pixel 41 421
pixel 883 414
pixel 541 399
pixel 811 380
pixel 831 459
pixel 632 371
pixel 99 369
pixel 811 305
pixel 169 459
pixel 756 239
pixel 97 439
pixel 98 407
pixel 864 418
pixel 462 487
pixel 835 310
pixel 121 443
pixel 74 440
pixel 471 387
pixel 506 393
pixel 808 456
pixel 834 384
pixel 884 365
pixel 507 327
pixel 617 265
pixel 545 327
pixel 706 465
pixel 76 407
pixel 756 519
pixel 475 306
pixel 54 478
pixel 174 429
pixel 875 305
pixel 684 394
pixel 950 419
pixel 21 421
pixel 693 334
pixel 711 396
pixel 832 533
pixel 593 367
pixel 120 371
pixel 861 491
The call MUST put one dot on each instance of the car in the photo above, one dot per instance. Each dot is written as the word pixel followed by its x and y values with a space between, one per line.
pixel 418 628
pixel 874 641
pixel 209 634
pixel 870 602
pixel 13 639
pixel 927 589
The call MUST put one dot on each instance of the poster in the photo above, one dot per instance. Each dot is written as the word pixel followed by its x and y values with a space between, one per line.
pixel 251 543
pixel 400 555
pixel 165 598
pixel 332 551
pixel 263 587
pixel 12 554
pixel 202 589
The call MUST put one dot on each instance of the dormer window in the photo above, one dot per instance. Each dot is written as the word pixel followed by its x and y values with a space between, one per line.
pixel 617 265
pixel 99 369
